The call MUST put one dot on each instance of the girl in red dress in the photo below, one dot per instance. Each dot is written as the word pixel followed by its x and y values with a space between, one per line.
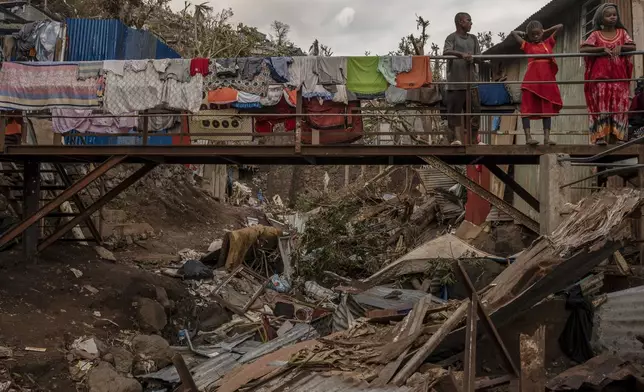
pixel 539 101
pixel 608 102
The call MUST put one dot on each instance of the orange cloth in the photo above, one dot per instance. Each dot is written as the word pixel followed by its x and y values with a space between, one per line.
pixel 419 75
pixel 222 96
pixel 14 124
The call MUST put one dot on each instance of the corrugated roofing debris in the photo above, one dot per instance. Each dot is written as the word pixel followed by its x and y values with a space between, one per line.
pixel 209 371
pixel 312 382
pixel 619 321
pixel 391 298
pixel 598 373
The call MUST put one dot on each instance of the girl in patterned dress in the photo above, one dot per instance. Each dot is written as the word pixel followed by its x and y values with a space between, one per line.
pixel 608 102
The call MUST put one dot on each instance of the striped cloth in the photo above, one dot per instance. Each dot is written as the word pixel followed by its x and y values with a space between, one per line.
pixel 37 86
pixel 89 69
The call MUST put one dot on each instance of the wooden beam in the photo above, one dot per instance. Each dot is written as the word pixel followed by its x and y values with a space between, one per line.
pixel 533 353
pixel 97 205
pixel 469 367
pixel 512 184
pixel 31 200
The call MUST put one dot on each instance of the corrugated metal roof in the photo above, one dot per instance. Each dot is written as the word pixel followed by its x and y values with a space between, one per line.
pixel 618 321
pixel 209 371
pixel 544 14
pixel 94 39
pixel 317 383
pixel 298 333
pixel 375 297
pixel 433 179
pixel 498 216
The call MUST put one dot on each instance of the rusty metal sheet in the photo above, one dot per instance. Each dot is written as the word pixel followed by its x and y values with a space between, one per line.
pixel 598 373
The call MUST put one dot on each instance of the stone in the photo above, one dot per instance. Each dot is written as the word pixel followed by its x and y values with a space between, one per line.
pixel 5 352
pixel 162 298
pixel 151 315
pixel 212 317
pixel 105 254
pixel 151 353
pixel 123 360
pixel 104 378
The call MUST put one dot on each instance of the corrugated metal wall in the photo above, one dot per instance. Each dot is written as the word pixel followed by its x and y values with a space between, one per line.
pixel 93 40
pixel 576 126
pixel 110 39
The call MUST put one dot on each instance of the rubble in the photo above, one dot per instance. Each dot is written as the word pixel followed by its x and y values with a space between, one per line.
pixel 151 315
pixel 151 353
pixel 104 253
pixel 104 378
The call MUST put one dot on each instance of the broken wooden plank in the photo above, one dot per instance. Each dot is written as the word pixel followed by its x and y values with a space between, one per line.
pixel 430 345
pixel 389 370
pixel 623 266
pixel 533 353
pixel 469 367
pixel 406 332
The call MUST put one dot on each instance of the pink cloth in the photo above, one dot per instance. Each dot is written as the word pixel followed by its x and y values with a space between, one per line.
pixel 65 120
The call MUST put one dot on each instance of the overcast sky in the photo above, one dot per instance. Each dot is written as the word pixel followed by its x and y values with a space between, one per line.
pixel 350 27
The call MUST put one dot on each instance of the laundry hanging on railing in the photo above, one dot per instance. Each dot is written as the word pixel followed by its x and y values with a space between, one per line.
pixel 39 85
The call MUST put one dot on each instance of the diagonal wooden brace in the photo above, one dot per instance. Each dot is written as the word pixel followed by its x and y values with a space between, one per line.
pixel 60 199
pixel 97 205
pixel 79 202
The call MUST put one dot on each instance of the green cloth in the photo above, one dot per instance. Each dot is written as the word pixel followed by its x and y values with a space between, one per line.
pixel 363 76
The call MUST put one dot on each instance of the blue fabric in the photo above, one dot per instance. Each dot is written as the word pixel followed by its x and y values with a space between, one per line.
pixel 246 105
pixel 72 139
pixel 494 95
pixel 325 96
pixel 496 124
pixel 279 68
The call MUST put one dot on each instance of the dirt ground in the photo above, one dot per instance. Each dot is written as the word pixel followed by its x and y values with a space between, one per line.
pixel 45 305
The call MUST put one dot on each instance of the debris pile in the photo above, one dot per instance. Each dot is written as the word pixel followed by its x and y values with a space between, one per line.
pixel 372 332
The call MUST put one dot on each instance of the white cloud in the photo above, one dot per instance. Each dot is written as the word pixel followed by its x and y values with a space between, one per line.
pixel 345 17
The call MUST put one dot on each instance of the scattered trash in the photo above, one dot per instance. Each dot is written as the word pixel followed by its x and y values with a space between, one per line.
pixel 77 273
pixel 85 347
pixel 215 245
pixel 97 313
pixel 194 269
pixel 190 254
pixel 36 349
pixel 80 369
pixel 279 284
pixel 104 253
pixel 91 289
pixel 318 292
pixel 4 386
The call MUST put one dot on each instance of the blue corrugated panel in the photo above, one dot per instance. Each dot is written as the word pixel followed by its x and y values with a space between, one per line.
pixel 166 52
pixel 139 45
pixel 94 39
pixel 100 140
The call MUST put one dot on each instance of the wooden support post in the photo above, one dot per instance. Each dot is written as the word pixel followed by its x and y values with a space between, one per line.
pixel 3 132
pixel 490 329
pixel 346 175
pixel 509 181
pixel 137 175
pixel 552 174
pixel 298 122
pixel 58 139
pixel 469 378
pixel 468 138
pixel 640 160
pixel 37 215
pixel 315 137
pixel 31 198
pixel 533 353
pixel 146 127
